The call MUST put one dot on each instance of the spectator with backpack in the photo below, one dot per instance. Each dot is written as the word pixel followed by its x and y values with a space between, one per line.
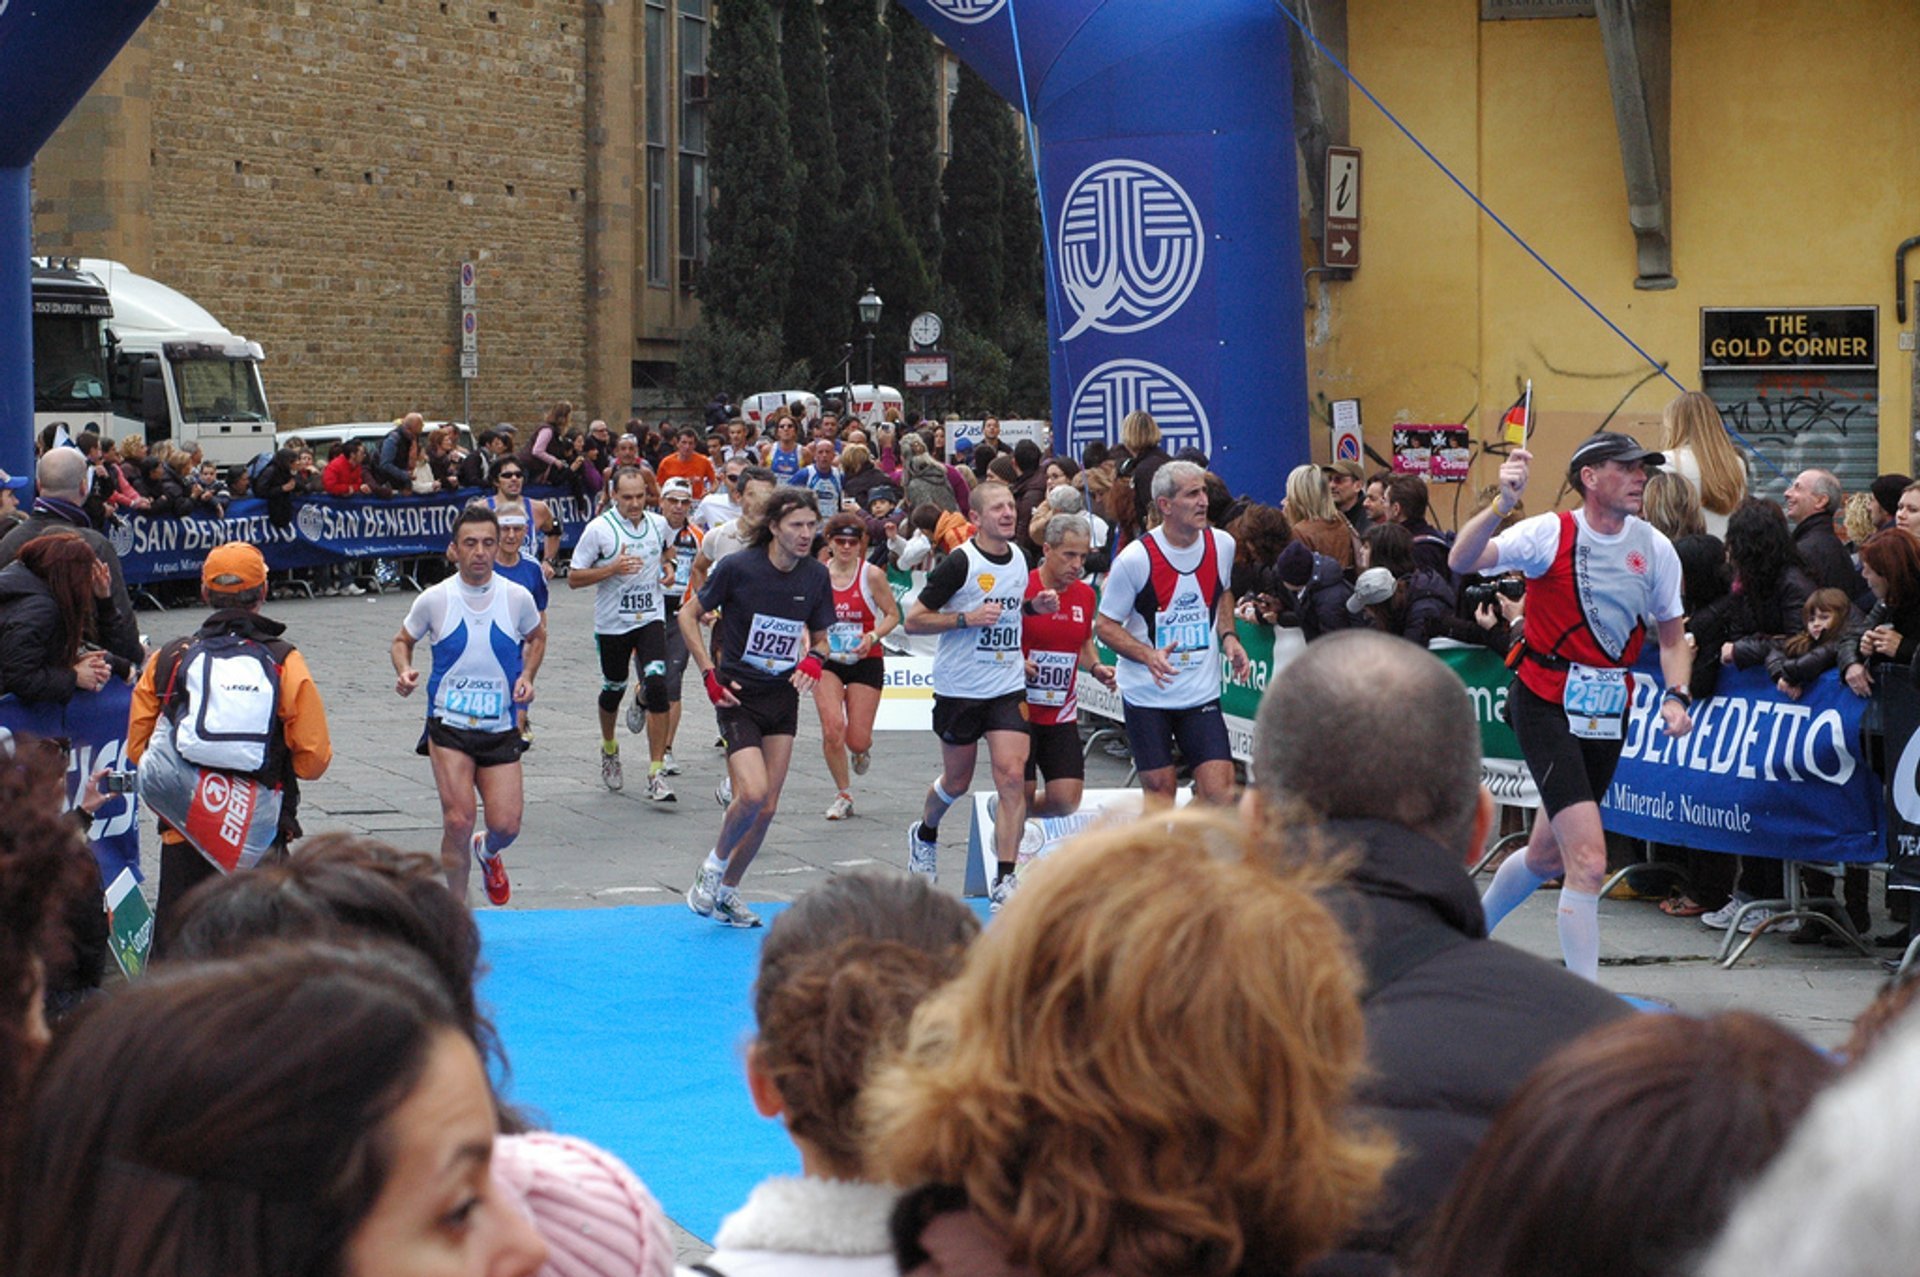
pixel 234 698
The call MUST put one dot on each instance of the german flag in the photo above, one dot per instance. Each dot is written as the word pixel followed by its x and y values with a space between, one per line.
pixel 1517 424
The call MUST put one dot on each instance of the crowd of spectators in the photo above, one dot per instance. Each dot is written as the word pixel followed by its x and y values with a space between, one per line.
pixel 1098 1084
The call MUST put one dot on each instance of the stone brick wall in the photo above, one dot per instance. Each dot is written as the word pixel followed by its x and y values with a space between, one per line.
pixel 318 171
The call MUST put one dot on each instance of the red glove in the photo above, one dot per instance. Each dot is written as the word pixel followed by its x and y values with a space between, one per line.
pixel 715 692
pixel 812 666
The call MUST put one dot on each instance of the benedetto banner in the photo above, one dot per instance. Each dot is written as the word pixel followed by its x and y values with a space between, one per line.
pixel 1759 775
pixel 323 530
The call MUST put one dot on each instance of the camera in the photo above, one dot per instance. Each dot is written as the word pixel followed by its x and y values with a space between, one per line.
pixel 119 782
pixel 1487 591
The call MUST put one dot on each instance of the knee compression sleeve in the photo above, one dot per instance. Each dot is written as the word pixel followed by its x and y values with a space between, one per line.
pixel 610 694
pixel 653 687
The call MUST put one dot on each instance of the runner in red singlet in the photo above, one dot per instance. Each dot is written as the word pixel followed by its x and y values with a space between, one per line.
pixel 848 694
pixel 1057 645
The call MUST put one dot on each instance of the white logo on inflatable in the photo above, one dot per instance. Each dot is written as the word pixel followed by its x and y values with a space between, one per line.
pixel 311 522
pixel 968 11
pixel 1906 797
pixel 1107 394
pixel 1131 247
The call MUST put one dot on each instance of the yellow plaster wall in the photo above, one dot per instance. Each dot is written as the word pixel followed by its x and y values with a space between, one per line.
pixel 1795 133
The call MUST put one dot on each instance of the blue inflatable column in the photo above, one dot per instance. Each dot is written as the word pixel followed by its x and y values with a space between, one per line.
pixel 1168 189
pixel 51 52
pixel 16 328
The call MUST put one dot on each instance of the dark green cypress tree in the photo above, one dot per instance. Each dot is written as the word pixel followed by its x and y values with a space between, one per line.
pixel 973 221
pixel 750 166
pixel 1022 291
pixel 913 100
pixel 823 286
pixel 882 253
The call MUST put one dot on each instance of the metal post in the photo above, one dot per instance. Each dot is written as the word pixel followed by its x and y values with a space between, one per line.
pixel 466 402
pixel 16 327
pixel 869 356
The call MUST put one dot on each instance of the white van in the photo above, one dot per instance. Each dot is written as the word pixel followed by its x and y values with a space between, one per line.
pixel 867 402
pixel 755 409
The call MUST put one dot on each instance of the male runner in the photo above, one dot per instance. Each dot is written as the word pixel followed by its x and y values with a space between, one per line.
pixel 1594 576
pixel 756 485
pixel 488 641
pixel 974 601
pixel 1057 644
pixel 723 502
pixel 683 546
pixel 622 555
pixel 688 463
pixel 510 482
pixel 770 646
pixel 1167 612
pixel 525 572
pixel 784 455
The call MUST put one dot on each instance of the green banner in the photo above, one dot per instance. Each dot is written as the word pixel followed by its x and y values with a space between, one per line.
pixel 1486 677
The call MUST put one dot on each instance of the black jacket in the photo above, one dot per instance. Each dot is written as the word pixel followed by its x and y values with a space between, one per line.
pixel 119 631
pixel 1320 606
pixel 1430 549
pixel 1828 562
pixel 33 638
pixel 1756 624
pixel 1455 1022
pixel 392 461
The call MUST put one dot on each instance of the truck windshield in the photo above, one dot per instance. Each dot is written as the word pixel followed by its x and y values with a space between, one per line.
pixel 214 389
pixel 69 364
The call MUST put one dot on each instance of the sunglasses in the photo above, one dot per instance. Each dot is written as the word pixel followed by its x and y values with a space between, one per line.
pixel 511 474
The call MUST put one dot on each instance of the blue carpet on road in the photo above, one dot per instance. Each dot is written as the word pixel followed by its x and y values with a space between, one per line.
pixel 626 1027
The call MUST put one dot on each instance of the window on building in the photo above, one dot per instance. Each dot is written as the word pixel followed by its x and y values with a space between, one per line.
pixel 659 201
pixel 694 197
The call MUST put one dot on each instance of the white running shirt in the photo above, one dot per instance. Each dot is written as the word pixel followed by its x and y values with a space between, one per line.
pixel 1186 620
pixel 624 603
pixel 476 636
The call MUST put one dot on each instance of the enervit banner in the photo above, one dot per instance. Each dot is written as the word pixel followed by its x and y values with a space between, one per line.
pixel 1167 174
pixel 324 530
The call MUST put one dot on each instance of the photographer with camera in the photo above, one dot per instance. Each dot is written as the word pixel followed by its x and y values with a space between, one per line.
pixel 56 607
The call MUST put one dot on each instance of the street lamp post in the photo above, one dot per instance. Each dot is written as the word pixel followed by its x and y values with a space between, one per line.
pixel 870 305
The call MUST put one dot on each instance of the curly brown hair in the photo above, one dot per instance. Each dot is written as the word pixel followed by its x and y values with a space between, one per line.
pixel 1114 1086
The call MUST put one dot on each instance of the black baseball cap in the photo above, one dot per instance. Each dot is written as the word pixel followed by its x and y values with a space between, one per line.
pixel 1608 445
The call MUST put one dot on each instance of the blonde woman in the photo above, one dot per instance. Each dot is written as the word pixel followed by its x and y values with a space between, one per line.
pixel 1670 503
pixel 1109 1086
pixel 1140 435
pixel 1317 522
pixel 1698 448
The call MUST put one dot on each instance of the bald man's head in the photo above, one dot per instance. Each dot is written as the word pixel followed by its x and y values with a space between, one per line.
pixel 1327 717
pixel 62 473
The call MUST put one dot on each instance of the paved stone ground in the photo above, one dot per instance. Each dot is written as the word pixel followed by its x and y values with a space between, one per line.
pixel 582 846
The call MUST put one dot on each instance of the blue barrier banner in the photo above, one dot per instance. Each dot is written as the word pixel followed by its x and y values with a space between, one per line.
pixel 1759 775
pixel 324 530
pixel 94 725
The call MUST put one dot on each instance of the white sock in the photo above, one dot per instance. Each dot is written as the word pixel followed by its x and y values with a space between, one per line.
pixel 945 800
pixel 714 862
pixel 1512 883
pixel 1580 933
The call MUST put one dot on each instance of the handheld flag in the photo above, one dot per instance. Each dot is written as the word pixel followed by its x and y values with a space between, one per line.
pixel 1518 423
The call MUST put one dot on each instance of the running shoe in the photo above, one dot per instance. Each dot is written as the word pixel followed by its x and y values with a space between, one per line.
pixel 1722 918
pixel 723 792
pixel 923 857
pixel 700 895
pixel 668 766
pixel 840 808
pixel 730 911
pixel 352 589
pixel 610 773
pixel 1002 892
pixel 658 791
pixel 862 761
pixel 493 870
pixel 636 716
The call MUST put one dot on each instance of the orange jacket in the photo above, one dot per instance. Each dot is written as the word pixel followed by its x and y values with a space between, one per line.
pixel 303 720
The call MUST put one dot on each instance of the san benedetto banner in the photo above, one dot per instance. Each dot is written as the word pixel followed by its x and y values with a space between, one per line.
pixel 1759 775
pixel 323 530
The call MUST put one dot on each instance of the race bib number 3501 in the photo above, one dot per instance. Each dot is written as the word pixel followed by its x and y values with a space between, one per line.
pixel 773 644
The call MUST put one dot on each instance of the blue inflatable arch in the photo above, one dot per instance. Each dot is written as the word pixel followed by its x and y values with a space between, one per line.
pixel 51 52
pixel 1171 208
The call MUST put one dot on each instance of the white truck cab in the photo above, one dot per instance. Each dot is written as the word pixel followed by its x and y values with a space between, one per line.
pixel 177 373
